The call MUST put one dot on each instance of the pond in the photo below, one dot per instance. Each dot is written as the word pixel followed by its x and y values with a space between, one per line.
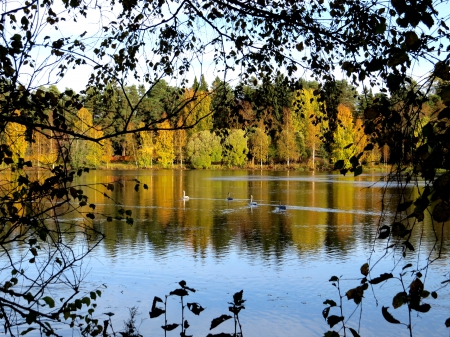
pixel 281 259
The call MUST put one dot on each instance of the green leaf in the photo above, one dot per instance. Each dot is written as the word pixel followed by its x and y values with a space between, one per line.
pixel 50 302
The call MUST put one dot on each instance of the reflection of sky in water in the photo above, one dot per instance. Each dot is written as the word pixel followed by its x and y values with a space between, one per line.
pixel 282 260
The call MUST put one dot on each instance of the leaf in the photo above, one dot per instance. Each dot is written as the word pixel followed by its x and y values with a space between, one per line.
pixel 339 165
pixel 408 245
pixel 407 266
pixel 170 327
pixel 434 294
pixel 423 308
pixel 331 303
pixel 237 298
pixel 219 320
pixel 179 292
pixel 447 322
pixel 325 312
pixel 404 206
pixel 384 232
pixel 348 146
pixel 331 334
pixel 50 301
pixel 145 187
pixel 416 287
pixel 388 317
pixel 195 308
pixel 333 279
pixel 358 171
pixel 399 300
pixel 365 269
pixel 24 332
pixel 333 320
pixel 381 278
pixel 156 312
pixel 441 212
pixel 354 333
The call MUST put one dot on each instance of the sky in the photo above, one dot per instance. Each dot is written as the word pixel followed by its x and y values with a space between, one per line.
pixel 77 79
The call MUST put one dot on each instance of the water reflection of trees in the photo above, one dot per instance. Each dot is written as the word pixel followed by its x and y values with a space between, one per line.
pixel 208 222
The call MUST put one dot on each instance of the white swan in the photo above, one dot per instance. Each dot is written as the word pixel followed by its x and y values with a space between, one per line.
pixel 252 203
pixel 185 197
pixel 229 198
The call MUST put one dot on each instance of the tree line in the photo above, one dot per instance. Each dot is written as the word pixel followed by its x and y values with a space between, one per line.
pixel 258 125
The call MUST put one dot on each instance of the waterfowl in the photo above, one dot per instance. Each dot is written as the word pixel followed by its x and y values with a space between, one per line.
pixel 229 198
pixel 281 207
pixel 252 203
pixel 185 197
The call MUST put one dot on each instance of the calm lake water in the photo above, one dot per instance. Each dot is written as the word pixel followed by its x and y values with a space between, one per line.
pixel 281 259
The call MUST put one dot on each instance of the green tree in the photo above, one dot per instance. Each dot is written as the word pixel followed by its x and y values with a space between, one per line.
pixel 235 148
pixel 203 149
pixel 164 147
pixel 82 152
pixel 259 143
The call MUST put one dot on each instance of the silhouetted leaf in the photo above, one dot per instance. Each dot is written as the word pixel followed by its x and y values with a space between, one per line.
pixel 179 292
pixel 384 232
pixel 348 146
pixel 237 298
pixel 170 327
pixel 445 113
pixel 407 266
pixel 404 206
pixel 441 212
pixel 219 320
pixel 358 171
pixel 381 278
pixel 50 302
pixel 408 245
pixel 423 308
pixel 331 303
pixel 333 279
pixel 331 334
pixel 222 334
pixel 354 333
pixel 368 147
pixel 388 317
pixel 24 332
pixel 156 312
pixel 399 300
pixel 365 269
pixel 195 308
pixel 145 187
pixel 325 312
pixel 416 287
pixel 333 320
pixel 447 322
pixel 434 294
pixel 339 165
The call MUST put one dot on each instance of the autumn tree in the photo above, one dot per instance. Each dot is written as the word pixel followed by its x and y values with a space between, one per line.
pixel 259 143
pixel 235 148
pixel 164 146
